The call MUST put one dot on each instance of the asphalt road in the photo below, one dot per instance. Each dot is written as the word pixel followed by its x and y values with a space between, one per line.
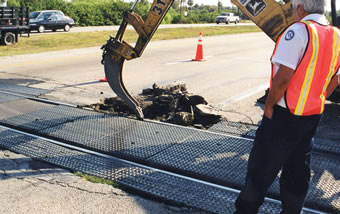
pixel 236 68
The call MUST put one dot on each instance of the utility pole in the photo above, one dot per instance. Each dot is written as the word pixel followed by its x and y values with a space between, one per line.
pixel 219 6
pixel 180 7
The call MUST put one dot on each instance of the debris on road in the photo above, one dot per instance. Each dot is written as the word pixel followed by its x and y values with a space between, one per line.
pixel 171 103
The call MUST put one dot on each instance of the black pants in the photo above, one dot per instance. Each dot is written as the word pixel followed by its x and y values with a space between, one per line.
pixel 283 142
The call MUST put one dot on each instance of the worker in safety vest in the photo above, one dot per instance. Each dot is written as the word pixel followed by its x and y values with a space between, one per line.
pixel 305 71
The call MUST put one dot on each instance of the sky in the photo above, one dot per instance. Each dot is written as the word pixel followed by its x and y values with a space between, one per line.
pixel 227 3
pixel 213 2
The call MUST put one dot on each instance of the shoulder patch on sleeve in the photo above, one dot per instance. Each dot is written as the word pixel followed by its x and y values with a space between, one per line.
pixel 289 35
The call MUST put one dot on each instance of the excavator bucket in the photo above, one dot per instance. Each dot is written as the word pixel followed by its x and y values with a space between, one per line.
pixel 116 51
pixel 269 15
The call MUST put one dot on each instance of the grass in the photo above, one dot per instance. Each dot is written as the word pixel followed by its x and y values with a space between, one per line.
pixel 95 179
pixel 64 41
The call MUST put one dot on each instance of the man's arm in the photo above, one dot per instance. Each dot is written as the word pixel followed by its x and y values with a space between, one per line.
pixel 333 84
pixel 278 88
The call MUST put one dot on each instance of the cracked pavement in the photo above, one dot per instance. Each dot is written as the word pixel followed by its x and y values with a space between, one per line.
pixel 36 187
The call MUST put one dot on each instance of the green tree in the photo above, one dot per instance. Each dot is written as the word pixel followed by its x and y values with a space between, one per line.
pixel 143 8
pixel 13 3
pixel 176 5
pixel 109 12
pixel 190 3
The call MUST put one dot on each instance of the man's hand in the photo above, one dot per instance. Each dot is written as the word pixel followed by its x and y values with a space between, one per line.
pixel 278 88
pixel 268 112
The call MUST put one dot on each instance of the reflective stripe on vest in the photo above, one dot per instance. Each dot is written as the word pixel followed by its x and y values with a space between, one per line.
pixel 306 93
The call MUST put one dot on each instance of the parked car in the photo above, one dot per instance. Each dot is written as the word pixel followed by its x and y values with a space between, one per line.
pixel 50 20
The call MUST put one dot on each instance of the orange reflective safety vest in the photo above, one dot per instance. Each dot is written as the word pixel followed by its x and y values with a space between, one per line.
pixel 306 92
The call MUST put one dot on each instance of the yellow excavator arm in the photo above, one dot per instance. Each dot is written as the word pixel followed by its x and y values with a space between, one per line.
pixel 269 15
pixel 272 17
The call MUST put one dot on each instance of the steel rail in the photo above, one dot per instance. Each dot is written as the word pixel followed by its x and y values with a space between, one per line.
pixel 320 151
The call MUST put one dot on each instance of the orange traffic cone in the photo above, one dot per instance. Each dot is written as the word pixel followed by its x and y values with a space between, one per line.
pixel 199 51
pixel 103 79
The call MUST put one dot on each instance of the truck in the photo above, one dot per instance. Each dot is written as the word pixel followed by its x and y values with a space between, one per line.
pixel 227 18
pixel 271 16
pixel 14 21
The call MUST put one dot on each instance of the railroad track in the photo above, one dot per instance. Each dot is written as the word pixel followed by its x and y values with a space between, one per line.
pixel 132 169
pixel 153 180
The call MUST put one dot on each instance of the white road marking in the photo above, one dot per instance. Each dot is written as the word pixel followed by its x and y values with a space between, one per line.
pixel 242 95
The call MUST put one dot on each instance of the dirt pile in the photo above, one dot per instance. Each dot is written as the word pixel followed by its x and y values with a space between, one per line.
pixel 171 103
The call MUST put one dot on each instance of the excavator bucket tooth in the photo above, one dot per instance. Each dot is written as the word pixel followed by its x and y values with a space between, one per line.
pixel 113 66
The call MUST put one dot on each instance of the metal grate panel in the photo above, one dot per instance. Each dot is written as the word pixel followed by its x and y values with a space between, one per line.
pixel 49 117
pixel 213 157
pixel 206 155
pixel 235 128
pixel 248 131
pixel 223 160
pixel 327 137
pixel 325 183
pixel 326 145
pixel 120 136
pixel 153 183
pixel 24 90
pixel 20 107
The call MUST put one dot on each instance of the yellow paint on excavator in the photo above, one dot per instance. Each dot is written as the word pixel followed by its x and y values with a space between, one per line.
pixel 272 17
